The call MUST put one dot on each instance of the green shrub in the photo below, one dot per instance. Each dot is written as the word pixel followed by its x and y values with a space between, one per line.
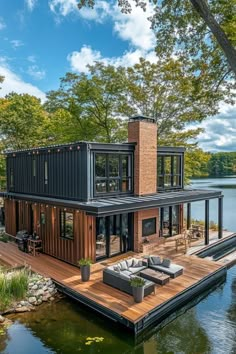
pixel 137 282
pixel 84 261
pixel 13 286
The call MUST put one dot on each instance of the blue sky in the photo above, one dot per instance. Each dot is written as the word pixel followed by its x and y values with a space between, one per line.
pixel 41 40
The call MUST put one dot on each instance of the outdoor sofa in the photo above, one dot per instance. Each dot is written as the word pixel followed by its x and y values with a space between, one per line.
pixel 165 266
pixel 119 275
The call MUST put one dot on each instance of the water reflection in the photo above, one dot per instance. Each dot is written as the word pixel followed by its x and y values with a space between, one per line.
pixel 62 328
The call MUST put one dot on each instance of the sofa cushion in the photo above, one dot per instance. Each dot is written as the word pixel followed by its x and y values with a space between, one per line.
pixel 126 272
pixel 135 270
pixel 117 268
pixel 166 262
pixel 129 262
pixel 137 264
pixel 124 276
pixel 156 260
pixel 123 265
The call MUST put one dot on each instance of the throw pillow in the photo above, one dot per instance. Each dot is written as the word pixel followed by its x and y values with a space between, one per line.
pixel 117 268
pixel 156 260
pixel 166 262
pixel 129 262
pixel 135 262
pixel 123 265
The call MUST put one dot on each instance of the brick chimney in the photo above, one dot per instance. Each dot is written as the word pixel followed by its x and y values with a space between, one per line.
pixel 143 131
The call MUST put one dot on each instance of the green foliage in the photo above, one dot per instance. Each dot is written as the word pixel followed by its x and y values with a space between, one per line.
pixel 92 104
pixel 85 261
pixel 92 340
pixel 137 282
pixel 23 122
pixel 4 237
pixel 222 164
pixel 196 163
pixel 13 286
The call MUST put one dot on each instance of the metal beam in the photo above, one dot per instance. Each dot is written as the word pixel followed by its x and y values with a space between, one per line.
pixel 220 217
pixel 188 215
pixel 206 222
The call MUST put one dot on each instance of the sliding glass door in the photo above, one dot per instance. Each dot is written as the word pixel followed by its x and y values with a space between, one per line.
pixel 169 221
pixel 113 235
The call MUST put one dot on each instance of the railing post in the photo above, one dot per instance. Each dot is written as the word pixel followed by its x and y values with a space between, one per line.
pixel 220 217
pixel 207 222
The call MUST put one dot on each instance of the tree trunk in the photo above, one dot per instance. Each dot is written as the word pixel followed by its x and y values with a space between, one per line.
pixel 203 10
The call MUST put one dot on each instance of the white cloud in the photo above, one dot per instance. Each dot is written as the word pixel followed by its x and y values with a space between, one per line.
pixel 31 4
pixel 135 27
pixel 35 72
pixel 80 60
pixel 219 131
pixel 2 24
pixel 13 83
pixel 31 58
pixel 62 7
pixel 16 43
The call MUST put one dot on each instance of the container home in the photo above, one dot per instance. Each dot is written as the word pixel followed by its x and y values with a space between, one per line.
pixel 99 200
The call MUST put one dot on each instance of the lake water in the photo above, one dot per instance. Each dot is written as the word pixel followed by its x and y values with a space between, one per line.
pixel 228 187
pixel 208 327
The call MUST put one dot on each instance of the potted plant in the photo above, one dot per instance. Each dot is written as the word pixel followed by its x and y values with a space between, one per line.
pixel 84 264
pixel 137 284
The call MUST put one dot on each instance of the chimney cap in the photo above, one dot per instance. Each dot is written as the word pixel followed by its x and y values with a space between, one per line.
pixel 141 118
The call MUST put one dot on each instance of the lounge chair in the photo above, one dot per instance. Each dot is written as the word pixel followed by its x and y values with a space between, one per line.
pixel 165 266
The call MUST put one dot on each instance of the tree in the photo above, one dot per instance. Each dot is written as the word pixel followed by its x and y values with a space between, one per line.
pixel 202 32
pixel 23 122
pixel 169 92
pixel 95 103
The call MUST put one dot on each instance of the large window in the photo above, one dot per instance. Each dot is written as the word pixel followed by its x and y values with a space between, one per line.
pixel 169 172
pixel 169 221
pixel 113 173
pixel 66 220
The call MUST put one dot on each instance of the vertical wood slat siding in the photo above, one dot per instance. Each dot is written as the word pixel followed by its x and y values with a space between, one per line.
pixel 83 245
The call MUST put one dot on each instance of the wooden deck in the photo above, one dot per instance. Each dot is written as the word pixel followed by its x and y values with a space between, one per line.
pixel 119 306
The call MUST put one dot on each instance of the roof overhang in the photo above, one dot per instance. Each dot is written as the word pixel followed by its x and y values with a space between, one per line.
pixel 126 204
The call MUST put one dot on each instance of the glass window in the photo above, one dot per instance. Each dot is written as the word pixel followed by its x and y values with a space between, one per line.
pixel 100 165
pixel 113 161
pixel 11 178
pixel 42 218
pixel 100 237
pixel 113 173
pixel 169 171
pixel 67 225
pixel 34 167
pixel 45 172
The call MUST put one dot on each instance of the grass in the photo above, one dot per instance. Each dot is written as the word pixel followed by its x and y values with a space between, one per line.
pixel 13 287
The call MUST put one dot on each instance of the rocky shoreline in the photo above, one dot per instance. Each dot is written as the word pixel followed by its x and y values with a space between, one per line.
pixel 40 289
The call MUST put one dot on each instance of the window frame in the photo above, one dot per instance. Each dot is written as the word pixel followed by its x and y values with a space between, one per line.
pixel 107 180
pixel 172 176
pixel 63 221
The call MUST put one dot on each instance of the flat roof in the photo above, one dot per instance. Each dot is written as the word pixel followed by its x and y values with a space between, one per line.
pixel 125 204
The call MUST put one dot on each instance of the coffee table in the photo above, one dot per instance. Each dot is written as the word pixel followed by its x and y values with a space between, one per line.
pixel 156 277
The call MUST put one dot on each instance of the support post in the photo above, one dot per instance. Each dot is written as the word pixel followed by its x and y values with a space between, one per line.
pixel 206 222
pixel 220 217
pixel 188 215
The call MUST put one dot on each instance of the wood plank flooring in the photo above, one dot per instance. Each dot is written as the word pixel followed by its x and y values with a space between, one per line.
pixel 195 269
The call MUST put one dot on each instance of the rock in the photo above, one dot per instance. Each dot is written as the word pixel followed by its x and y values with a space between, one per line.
pixel 39 292
pixel 30 285
pixel 46 297
pixel 22 309
pixel 32 299
pixel 34 287
pixel 2 319
pixel 49 282
pixel 39 302
pixel 51 298
pixel 24 303
pixel 51 289
pixel 45 288
pixel 18 305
